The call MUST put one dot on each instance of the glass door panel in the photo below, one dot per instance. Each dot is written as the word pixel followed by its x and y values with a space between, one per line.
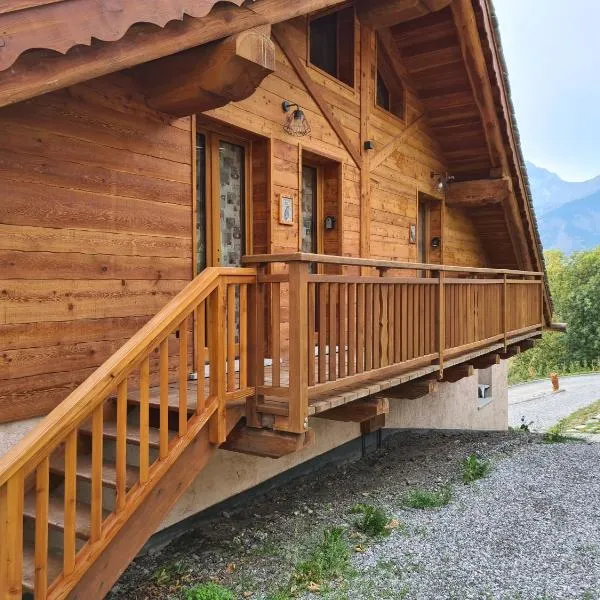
pixel 232 200
pixel 308 229
pixel 201 233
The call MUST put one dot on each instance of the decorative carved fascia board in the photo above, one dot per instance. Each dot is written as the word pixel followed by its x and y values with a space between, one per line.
pixel 60 26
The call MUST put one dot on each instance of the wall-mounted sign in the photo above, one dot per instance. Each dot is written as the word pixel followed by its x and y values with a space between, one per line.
pixel 412 234
pixel 286 209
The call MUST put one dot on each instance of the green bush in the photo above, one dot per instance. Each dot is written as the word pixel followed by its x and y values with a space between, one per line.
pixel 209 591
pixel 474 468
pixel 373 521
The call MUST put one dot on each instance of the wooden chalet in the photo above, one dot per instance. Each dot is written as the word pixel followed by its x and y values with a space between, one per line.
pixel 265 226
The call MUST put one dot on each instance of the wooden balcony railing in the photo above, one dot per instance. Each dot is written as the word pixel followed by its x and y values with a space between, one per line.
pixel 340 329
pixel 203 329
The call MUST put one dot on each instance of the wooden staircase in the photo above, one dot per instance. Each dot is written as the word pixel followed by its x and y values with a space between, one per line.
pixel 82 493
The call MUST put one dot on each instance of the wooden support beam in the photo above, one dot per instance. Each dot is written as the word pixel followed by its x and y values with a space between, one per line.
pixel 40 72
pixel 478 192
pixel 282 36
pixel 394 144
pixel 510 352
pixel 411 390
pixel 209 76
pixel 372 425
pixel 357 411
pixel 486 361
pixel 386 13
pixel 454 374
pixel 266 442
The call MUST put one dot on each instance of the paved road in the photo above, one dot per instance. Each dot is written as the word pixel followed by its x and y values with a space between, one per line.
pixel 536 402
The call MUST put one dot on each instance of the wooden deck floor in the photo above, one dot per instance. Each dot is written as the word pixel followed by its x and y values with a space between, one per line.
pixel 323 401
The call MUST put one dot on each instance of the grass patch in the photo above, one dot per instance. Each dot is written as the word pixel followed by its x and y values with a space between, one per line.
pixel 556 435
pixel 169 573
pixel 474 468
pixel 428 499
pixel 583 420
pixel 373 521
pixel 209 591
pixel 328 559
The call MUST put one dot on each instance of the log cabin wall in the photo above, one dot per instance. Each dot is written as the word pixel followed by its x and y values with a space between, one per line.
pixel 97 211
pixel 95 234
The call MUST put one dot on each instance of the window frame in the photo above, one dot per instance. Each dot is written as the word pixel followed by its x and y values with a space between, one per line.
pixel 313 17
pixel 381 52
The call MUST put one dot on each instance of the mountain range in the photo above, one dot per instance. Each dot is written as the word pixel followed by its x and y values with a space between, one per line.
pixel 568 212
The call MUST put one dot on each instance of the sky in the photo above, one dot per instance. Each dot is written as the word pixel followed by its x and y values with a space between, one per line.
pixel 552 49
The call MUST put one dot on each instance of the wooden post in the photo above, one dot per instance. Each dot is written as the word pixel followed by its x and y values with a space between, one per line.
pixel 441 321
pixel 218 424
pixel 11 529
pixel 504 310
pixel 298 408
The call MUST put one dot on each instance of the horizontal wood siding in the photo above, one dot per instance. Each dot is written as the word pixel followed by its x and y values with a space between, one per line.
pixel 95 234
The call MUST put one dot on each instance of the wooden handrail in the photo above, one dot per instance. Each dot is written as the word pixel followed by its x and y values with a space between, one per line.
pixel 377 264
pixel 80 404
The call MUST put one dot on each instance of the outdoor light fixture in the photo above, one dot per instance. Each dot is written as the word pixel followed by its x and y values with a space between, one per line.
pixel 296 123
pixel 443 180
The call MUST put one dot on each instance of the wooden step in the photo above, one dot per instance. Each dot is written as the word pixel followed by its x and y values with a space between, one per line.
pixel 154 398
pixel 133 433
pixel 55 566
pixel 56 512
pixel 84 471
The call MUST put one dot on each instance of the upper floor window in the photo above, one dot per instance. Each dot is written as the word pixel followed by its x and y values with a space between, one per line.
pixel 390 90
pixel 332 44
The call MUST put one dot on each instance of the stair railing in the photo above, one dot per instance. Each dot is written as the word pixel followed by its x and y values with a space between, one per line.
pixel 212 309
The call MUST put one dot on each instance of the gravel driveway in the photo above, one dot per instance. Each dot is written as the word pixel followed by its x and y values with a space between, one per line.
pixel 536 402
pixel 529 530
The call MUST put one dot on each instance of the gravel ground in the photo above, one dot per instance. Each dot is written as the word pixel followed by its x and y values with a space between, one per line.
pixel 528 531
pixel 536 402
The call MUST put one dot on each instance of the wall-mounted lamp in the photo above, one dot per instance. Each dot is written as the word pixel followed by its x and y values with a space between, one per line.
pixel 435 242
pixel 329 223
pixel 296 123
pixel 369 145
pixel 442 180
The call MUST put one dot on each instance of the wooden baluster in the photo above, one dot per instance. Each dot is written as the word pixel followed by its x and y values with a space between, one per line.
pixel 298 406
pixel 243 336
pixel 200 318
pixel 256 348
pixel 323 289
pixel 230 338
pixel 70 498
pixel 343 319
pixel 391 290
pixel 164 399
pixel 11 532
pixel 311 334
pixel 398 324
pixel 218 358
pixel 425 319
pixel 410 321
pixel 377 329
pixel 42 494
pixel 276 333
pixel 383 326
pixel 422 312
pixel 333 325
pixel 121 450
pixel 144 420
pixel 360 329
pixel 404 321
pixel 369 341
pixel 441 321
pixel 97 458
pixel 183 377
pixel 352 322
